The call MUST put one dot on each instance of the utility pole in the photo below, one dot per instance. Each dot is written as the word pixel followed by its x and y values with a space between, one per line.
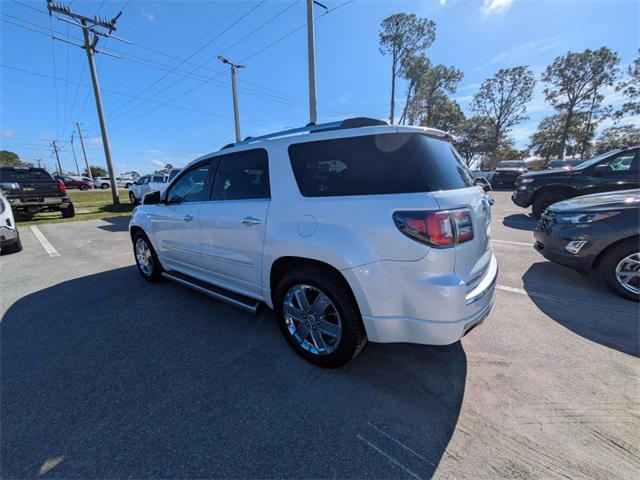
pixel 93 25
pixel 55 149
pixel 234 91
pixel 74 156
pixel 313 112
pixel 84 152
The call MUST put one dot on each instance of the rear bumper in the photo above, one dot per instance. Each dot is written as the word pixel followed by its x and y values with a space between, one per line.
pixel 430 310
pixel 45 202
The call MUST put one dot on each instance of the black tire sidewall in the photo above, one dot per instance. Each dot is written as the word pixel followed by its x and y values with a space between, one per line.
pixel 541 203
pixel 608 264
pixel 345 307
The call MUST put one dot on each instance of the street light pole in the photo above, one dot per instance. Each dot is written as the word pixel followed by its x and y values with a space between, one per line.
pixel 311 56
pixel 234 91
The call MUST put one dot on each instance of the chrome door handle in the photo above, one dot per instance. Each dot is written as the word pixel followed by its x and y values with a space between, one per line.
pixel 187 218
pixel 250 221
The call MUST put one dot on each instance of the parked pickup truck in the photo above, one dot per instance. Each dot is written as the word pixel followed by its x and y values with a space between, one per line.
pixel 33 190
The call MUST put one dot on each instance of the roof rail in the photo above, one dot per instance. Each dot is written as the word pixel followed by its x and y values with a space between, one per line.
pixel 355 122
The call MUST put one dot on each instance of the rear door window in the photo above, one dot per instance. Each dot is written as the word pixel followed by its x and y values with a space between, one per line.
pixel 242 175
pixel 377 164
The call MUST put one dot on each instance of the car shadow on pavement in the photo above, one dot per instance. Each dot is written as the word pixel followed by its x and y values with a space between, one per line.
pixel 154 380
pixel 116 224
pixel 520 221
pixel 604 318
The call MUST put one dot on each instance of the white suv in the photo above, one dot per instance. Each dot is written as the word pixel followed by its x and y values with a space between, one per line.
pixel 146 184
pixel 350 231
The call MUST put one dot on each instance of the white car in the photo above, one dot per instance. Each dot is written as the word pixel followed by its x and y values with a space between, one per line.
pixel 9 235
pixel 145 184
pixel 350 231
pixel 105 182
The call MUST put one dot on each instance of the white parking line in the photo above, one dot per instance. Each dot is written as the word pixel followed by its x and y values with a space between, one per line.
pixel 389 457
pixel 509 242
pixel 44 242
pixel 553 298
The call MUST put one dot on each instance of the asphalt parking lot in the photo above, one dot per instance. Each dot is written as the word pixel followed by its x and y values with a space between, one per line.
pixel 106 376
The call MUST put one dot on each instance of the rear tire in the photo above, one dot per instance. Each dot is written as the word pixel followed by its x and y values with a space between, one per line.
pixel 68 212
pixel 542 201
pixel 146 258
pixel 104 186
pixel 332 333
pixel 15 247
pixel 619 263
pixel 84 188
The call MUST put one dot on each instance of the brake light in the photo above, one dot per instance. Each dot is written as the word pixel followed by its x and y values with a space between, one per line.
pixel 439 229
pixel 62 187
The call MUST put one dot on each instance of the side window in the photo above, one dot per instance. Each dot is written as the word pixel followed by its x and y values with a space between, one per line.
pixel 623 163
pixel 242 175
pixel 191 187
pixel 158 179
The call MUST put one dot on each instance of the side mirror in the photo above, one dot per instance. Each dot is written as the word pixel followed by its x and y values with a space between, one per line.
pixel 152 198
pixel 601 170
pixel 482 182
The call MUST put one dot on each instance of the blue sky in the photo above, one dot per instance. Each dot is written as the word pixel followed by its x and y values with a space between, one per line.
pixel 154 120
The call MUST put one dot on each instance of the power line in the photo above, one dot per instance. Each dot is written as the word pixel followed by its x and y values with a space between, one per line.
pixel 55 81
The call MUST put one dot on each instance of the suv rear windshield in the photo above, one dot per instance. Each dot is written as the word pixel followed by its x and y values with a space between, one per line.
pixel 16 175
pixel 377 164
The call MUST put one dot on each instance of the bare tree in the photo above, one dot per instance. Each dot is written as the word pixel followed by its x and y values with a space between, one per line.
pixel 503 100
pixel 402 35
pixel 574 82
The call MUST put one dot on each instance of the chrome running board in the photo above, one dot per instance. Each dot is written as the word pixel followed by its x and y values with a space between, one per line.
pixel 246 303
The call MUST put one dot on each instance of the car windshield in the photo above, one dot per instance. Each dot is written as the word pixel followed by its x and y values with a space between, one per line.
pixel 512 164
pixel 595 160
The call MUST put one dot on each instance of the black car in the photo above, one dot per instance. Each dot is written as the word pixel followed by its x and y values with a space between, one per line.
pixel 615 170
pixel 600 231
pixel 506 173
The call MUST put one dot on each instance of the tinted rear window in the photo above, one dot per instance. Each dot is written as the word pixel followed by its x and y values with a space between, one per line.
pixel 11 175
pixel 377 164
pixel 510 164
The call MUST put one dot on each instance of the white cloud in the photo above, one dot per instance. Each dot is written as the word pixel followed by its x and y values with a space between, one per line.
pixel 93 141
pixel 443 3
pixel 496 6
pixel 523 52
pixel 9 133
pixel 149 16
pixel 158 162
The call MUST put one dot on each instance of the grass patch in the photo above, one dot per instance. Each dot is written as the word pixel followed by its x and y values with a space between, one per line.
pixel 89 205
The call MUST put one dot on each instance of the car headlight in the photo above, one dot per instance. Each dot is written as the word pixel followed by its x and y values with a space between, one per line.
pixel 526 180
pixel 582 218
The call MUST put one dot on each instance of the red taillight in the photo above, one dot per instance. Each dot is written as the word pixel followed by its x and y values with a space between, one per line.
pixel 439 229
pixel 62 188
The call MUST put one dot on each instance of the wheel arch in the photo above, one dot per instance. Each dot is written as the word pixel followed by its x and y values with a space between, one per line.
pixel 565 191
pixel 284 264
pixel 608 248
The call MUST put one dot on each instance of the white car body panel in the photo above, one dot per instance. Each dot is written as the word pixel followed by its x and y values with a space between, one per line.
pixel 406 291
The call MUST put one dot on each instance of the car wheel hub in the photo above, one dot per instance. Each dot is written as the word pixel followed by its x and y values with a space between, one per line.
pixel 143 256
pixel 628 273
pixel 312 319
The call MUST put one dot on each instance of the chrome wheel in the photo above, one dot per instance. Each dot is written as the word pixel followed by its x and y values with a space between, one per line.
pixel 628 273
pixel 143 257
pixel 312 319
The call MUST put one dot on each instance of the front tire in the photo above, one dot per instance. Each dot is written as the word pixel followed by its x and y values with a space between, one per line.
pixel 619 269
pixel 132 199
pixel 542 201
pixel 104 186
pixel 146 258
pixel 84 188
pixel 319 317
